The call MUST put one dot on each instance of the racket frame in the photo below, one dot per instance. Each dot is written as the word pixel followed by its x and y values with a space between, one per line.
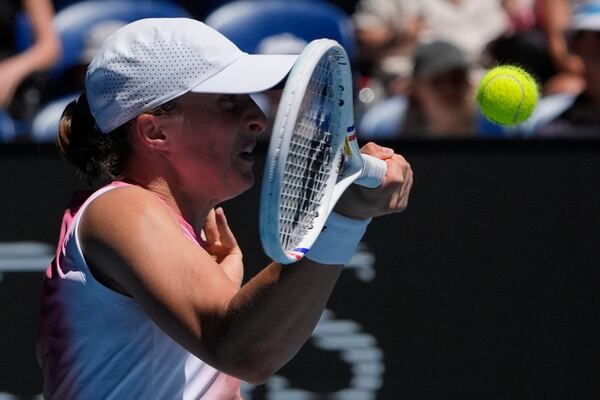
pixel 348 162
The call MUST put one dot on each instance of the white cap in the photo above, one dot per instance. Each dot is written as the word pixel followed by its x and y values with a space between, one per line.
pixel 151 61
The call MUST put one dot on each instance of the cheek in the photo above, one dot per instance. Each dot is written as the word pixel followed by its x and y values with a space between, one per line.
pixel 195 151
pixel 202 135
pixel 211 137
pixel 210 152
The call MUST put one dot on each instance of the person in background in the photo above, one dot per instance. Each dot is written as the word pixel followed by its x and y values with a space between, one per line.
pixel 521 15
pixel 20 84
pixel 528 50
pixel 389 30
pixel 67 86
pixel 439 100
pixel 581 115
pixel 552 19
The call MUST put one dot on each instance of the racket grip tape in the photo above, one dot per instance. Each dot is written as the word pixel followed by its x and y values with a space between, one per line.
pixel 337 242
pixel 373 172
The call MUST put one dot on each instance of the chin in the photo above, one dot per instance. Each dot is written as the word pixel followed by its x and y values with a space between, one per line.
pixel 241 186
pixel 249 183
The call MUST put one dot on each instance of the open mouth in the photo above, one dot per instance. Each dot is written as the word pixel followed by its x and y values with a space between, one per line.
pixel 246 154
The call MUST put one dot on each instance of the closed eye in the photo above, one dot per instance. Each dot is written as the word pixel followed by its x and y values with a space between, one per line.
pixel 229 102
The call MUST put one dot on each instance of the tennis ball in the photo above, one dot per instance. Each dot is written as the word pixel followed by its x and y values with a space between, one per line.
pixel 507 95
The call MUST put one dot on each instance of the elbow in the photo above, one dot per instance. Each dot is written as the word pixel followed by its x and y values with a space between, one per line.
pixel 257 376
pixel 253 366
pixel 256 372
pixel 49 51
pixel 54 49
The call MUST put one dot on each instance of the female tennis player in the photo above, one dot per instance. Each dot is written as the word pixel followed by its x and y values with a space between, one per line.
pixel 144 299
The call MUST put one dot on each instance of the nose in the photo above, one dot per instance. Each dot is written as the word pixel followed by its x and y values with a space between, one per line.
pixel 255 120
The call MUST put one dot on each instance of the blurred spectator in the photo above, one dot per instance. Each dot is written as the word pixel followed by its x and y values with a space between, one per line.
pixel 70 84
pixel 527 49
pixel 72 79
pixel 441 97
pixel 582 117
pixel 552 18
pixel 390 29
pixel 20 79
pixel 82 27
pixel 537 44
pixel 520 14
pixel 440 102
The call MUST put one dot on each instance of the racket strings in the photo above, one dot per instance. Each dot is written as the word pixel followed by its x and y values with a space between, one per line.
pixel 309 164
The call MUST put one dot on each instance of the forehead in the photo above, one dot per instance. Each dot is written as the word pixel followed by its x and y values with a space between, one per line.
pixel 199 99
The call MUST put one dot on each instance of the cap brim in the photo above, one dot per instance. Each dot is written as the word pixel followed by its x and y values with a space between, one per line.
pixel 251 73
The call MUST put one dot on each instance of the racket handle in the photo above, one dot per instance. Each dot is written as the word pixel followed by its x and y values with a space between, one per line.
pixel 372 173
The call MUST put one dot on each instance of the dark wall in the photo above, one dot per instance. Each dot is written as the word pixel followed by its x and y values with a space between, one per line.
pixel 486 286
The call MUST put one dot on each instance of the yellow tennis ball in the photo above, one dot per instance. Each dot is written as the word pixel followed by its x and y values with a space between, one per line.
pixel 507 95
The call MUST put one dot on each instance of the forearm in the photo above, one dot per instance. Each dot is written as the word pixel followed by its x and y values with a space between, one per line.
pixel 46 48
pixel 273 315
pixel 36 58
pixel 266 322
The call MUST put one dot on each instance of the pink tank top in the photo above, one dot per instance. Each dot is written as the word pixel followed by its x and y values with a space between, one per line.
pixel 95 343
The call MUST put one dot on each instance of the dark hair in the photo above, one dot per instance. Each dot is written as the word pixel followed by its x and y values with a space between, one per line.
pixel 529 50
pixel 99 156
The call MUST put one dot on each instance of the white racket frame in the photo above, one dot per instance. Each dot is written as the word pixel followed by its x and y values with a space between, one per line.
pixel 355 167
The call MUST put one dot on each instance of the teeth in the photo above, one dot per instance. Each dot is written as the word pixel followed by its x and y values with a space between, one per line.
pixel 249 148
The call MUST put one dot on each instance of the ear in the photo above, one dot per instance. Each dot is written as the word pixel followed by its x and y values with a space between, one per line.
pixel 148 132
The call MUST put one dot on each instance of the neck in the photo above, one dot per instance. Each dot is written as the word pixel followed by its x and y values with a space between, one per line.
pixel 189 203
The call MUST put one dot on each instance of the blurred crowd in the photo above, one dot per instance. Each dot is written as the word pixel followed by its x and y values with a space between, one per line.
pixel 416 62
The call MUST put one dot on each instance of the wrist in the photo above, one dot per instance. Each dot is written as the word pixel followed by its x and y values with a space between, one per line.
pixel 338 241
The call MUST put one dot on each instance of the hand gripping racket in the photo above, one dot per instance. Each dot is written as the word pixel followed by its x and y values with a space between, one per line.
pixel 313 154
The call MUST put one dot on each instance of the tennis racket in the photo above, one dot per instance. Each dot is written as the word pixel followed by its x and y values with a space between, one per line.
pixel 313 154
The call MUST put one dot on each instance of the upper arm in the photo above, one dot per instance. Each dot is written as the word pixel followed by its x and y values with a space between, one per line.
pixel 128 235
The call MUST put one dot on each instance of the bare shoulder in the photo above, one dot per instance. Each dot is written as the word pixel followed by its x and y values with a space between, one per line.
pixel 124 209
pixel 126 198
pixel 133 244
pixel 125 226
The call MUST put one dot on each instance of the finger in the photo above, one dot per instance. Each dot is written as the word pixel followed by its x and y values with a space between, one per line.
pixel 406 189
pixel 396 172
pixel 226 235
pixel 210 228
pixel 395 199
pixel 403 165
pixel 402 173
pixel 377 151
